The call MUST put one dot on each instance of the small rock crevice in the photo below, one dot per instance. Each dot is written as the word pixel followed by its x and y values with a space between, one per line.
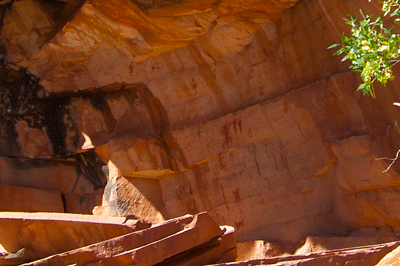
pixel 144 5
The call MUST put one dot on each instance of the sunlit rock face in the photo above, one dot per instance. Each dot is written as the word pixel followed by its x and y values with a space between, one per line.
pixel 232 107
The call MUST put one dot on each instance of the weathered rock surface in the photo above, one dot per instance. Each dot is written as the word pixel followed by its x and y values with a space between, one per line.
pixel 42 174
pixel 365 256
pixel 258 249
pixel 232 107
pixel 213 160
pixel 32 131
pixel 187 240
pixel 50 185
pixel 321 244
pixel 17 258
pixel 201 230
pixel 261 249
pixel 46 234
pixel 124 243
pixel 14 198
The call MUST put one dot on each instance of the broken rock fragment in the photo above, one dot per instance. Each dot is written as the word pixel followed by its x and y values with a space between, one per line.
pixel 187 240
pixel 49 233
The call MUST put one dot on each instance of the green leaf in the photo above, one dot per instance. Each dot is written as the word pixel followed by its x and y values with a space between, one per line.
pixel 362 14
pixel 372 48
pixel 333 46
pixel 361 87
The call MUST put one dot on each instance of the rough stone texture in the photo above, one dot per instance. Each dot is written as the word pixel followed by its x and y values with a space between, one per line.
pixel 320 244
pixel 191 61
pixel 32 130
pixel 41 174
pixel 261 249
pixel 26 25
pixel 227 247
pixel 72 190
pixel 45 234
pixel 249 147
pixel 124 243
pixel 201 230
pixel 187 240
pixel 81 202
pixel 363 256
pixel 232 107
pixel 116 111
pixel 17 258
pixel 258 249
pixel 23 127
pixel 14 198
pixel 129 196
pixel 249 155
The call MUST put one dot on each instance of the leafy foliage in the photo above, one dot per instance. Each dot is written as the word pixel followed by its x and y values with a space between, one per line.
pixel 372 48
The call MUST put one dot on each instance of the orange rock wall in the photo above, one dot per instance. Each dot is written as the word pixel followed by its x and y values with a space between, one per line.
pixel 236 108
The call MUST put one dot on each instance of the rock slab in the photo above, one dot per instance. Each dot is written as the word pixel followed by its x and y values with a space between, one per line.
pixel 45 234
pixel 187 240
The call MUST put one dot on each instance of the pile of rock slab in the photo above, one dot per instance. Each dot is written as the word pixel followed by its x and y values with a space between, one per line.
pixel 61 239
pixel 65 239
pixel 357 256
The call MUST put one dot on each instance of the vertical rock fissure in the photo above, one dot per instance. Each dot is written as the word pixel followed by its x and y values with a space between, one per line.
pixel 91 168
pixel 54 110
pixel 64 202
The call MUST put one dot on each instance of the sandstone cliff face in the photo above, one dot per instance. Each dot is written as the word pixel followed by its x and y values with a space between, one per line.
pixel 232 107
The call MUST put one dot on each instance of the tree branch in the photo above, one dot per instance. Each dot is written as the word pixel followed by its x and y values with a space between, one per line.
pixel 393 161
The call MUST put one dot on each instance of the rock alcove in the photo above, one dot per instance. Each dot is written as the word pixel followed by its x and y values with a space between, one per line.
pixel 157 109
